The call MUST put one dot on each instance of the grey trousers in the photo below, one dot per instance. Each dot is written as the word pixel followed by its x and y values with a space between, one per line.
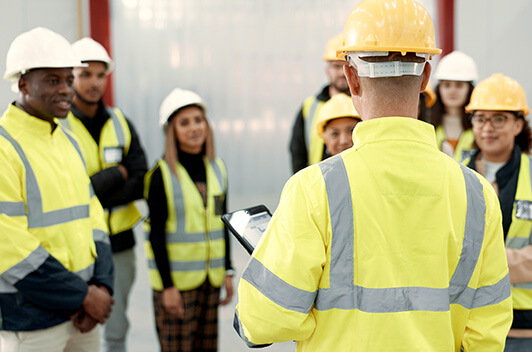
pixel 114 331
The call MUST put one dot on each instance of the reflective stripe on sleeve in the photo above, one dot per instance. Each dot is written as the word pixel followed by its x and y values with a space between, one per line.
pixel 277 290
pixel 100 236
pixel 26 266
pixel 13 208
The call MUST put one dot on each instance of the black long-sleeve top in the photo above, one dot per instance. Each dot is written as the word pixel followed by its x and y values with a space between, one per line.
pixel 109 185
pixel 157 204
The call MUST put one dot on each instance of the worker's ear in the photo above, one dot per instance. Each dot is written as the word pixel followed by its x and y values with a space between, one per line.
pixel 352 80
pixel 22 85
pixel 426 76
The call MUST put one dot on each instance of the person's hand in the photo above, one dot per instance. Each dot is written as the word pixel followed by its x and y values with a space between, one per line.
pixel 97 303
pixel 228 283
pixel 123 171
pixel 173 302
pixel 83 322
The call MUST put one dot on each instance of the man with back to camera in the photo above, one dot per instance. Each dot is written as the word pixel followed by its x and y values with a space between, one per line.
pixel 116 164
pixel 306 147
pixel 390 245
pixel 56 271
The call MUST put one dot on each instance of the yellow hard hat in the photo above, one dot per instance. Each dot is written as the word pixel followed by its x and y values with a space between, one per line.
pixel 332 46
pixel 391 25
pixel 340 105
pixel 430 96
pixel 498 92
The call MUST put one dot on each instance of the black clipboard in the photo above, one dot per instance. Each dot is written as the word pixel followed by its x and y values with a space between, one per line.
pixel 248 225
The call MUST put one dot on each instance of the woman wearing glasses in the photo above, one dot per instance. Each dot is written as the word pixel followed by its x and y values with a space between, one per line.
pixel 498 107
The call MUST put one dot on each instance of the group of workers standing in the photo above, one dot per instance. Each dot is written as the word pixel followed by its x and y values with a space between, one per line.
pixel 72 171
pixel 390 236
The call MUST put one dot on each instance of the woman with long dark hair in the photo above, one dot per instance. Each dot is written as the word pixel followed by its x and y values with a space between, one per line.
pixel 187 250
pixel 455 74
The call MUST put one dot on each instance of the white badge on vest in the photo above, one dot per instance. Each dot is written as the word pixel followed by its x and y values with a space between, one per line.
pixel 112 155
pixel 523 209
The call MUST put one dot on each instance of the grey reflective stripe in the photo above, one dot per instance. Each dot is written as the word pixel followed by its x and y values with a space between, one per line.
pixel 36 216
pixel 77 147
pixel 219 175
pixel 384 300
pixel 65 123
pixel 308 122
pixel 341 214
pixel 59 216
pixel 193 237
pixel 100 236
pixel 197 265
pixel 13 208
pixel 26 266
pixel 517 242
pixel 237 325
pixel 87 273
pixel 473 235
pixel 119 131
pixel 277 290
pixel 486 295
pixel 6 287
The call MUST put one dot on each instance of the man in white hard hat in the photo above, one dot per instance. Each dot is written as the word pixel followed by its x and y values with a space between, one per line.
pixel 56 271
pixel 390 245
pixel 116 164
pixel 306 147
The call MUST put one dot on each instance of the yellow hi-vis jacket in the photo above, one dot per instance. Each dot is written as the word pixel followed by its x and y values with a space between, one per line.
pixel 390 245
pixel 194 234
pixel 311 111
pixel 115 139
pixel 465 142
pixel 520 231
pixel 53 238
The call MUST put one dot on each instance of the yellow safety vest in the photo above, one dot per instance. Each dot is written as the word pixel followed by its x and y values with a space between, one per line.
pixel 42 206
pixel 115 139
pixel 367 253
pixel 311 111
pixel 520 232
pixel 194 234
pixel 465 142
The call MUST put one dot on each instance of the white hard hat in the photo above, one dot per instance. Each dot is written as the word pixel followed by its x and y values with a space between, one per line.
pixel 456 66
pixel 38 48
pixel 177 99
pixel 87 49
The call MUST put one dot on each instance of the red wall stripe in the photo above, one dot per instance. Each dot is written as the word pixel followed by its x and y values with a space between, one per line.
pixel 446 26
pixel 100 30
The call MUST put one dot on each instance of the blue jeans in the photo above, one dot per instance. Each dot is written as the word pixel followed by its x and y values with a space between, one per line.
pixel 515 344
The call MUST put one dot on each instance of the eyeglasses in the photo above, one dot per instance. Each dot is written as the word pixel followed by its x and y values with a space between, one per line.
pixel 497 121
